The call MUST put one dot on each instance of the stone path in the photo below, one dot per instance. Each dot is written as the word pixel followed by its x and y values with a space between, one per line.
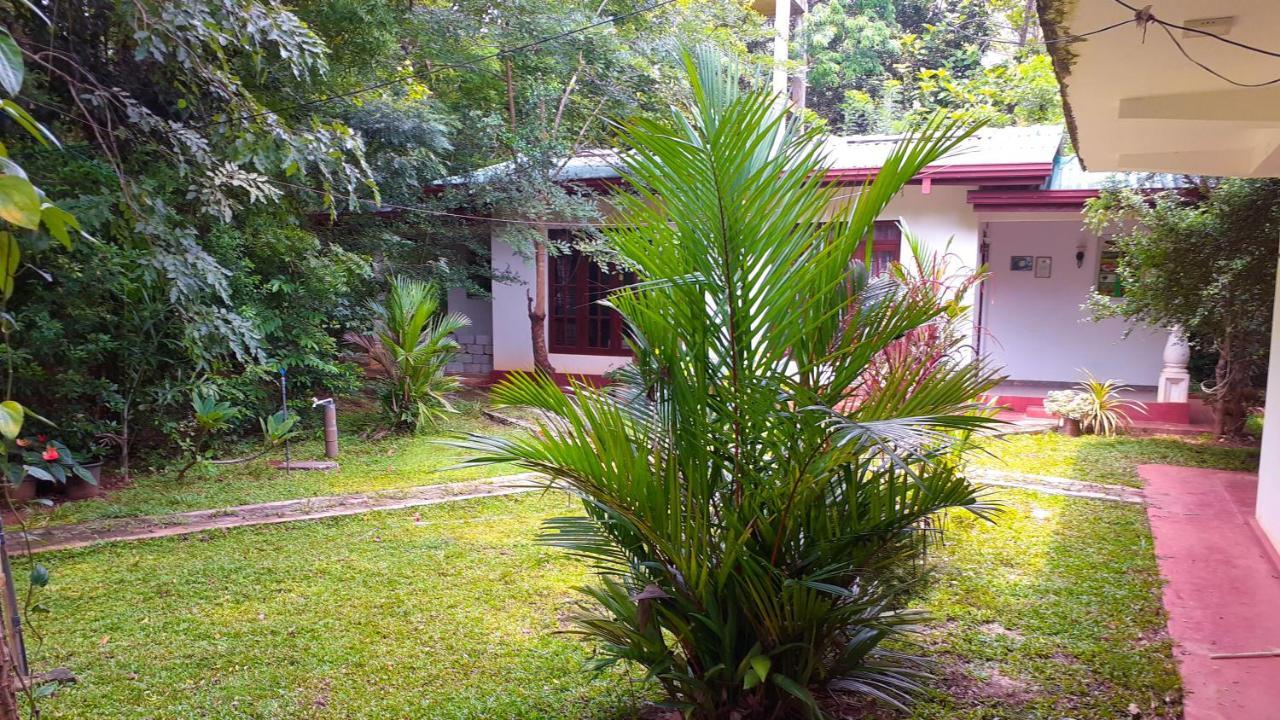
pixel 65 537
pixel 1056 485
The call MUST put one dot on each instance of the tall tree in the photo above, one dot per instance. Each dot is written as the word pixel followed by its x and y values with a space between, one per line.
pixel 1205 263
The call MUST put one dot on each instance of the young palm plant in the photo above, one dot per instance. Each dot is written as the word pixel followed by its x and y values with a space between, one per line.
pixel 411 345
pixel 1107 411
pixel 753 541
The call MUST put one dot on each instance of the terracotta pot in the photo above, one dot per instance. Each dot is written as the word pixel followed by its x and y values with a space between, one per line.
pixel 1070 427
pixel 77 489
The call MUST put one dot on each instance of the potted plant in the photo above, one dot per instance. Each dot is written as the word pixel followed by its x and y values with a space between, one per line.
pixel 1070 406
pixel 35 458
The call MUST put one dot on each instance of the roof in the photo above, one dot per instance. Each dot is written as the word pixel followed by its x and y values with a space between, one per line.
pixel 853 156
pixel 1012 157
pixel 1069 174
pixel 1034 145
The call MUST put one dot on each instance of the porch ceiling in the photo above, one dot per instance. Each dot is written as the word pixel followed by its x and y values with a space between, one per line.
pixel 1142 106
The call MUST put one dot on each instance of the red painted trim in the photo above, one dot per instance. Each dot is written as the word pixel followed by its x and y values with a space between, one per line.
pixel 1002 174
pixel 1029 200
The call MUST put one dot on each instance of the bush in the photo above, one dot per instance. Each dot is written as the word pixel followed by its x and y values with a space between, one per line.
pixel 411 344
pixel 759 483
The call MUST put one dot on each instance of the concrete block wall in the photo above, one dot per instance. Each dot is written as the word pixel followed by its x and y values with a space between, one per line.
pixel 475 356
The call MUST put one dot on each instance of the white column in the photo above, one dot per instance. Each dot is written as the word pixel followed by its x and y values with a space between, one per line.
pixel 1268 510
pixel 781 45
pixel 1175 379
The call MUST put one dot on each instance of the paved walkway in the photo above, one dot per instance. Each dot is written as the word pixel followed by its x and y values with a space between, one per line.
pixel 65 537
pixel 1222 590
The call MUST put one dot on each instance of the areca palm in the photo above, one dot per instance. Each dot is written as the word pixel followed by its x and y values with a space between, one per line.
pixel 752 488
pixel 411 344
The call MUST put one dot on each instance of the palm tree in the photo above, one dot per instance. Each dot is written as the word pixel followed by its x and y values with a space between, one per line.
pixel 411 344
pixel 753 493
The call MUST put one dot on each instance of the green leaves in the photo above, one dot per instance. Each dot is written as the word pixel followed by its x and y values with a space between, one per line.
pixel 11 67
pixel 11 417
pixel 19 202
pixel 10 256
pixel 789 427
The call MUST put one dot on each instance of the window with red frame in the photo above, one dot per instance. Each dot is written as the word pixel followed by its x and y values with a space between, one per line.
pixel 579 324
pixel 886 246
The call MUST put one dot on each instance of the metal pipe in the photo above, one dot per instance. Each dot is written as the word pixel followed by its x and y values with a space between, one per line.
pixel 330 426
pixel 284 408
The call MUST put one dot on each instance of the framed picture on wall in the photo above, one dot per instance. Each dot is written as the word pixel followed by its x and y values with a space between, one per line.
pixel 1020 263
pixel 1044 266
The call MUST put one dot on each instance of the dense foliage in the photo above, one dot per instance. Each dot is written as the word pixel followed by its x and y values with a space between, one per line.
pixel 886 65
pixel 757 484
pixel 246 195
pixel 1205 261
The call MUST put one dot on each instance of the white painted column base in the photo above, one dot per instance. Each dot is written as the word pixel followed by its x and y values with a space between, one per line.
pixel 1175 380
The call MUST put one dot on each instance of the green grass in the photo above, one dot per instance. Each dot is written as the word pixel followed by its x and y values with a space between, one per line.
pixel 397 461
pixel 375 617
pixel 1109 460
pixel 1052 612
pixel 454 616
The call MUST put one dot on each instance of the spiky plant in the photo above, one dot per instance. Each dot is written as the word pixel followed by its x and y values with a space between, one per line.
pixel 1107 410
pixel 752 540
pixel 411 344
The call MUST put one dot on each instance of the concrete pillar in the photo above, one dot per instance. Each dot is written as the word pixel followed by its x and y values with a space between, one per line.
pixel 1175 379
pixel 1268 509
pixel 781 45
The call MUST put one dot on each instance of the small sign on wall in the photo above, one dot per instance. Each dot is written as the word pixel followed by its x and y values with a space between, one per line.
pixel 1020 263
pixel 1044 266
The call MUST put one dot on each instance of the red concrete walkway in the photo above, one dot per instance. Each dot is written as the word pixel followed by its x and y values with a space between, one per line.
pixel 1222 590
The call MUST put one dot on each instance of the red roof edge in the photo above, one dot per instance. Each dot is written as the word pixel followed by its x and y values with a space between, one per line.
pixel 996 174
pixel 1030 200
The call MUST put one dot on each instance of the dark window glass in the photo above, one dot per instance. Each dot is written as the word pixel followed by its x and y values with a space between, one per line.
pixel 579 323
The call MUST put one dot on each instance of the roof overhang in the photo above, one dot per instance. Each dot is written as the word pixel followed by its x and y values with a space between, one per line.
pixel 1140 105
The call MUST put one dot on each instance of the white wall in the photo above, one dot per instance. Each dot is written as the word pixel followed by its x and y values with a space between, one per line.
pixel 512 341
pixel 1268 509
pixel 478 310
pixel 1035 327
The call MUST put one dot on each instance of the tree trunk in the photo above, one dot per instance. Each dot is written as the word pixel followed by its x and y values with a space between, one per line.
pixel 1230 391
pixel 538 311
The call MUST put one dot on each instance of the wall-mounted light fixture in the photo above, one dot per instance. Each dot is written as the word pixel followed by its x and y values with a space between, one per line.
pixel 1080 254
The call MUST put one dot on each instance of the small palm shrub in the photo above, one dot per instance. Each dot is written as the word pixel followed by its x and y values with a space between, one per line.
pixel 759 483
pixel 411 345
pixel 1105 411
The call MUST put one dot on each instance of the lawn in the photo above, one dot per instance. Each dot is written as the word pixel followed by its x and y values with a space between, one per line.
pixel 451 612
pixel 1109 460
pixel 396 461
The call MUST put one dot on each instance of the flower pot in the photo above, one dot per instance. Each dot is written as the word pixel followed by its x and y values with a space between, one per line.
pixel 20 494
pixel 77 489
pixel 1070 427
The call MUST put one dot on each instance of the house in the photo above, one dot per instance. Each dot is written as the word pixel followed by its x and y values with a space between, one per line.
pixel 1183 86
pixel 1008 198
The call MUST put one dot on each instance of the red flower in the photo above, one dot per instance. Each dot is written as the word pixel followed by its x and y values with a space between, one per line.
pixel 42 438
pixel 50 453
pixel 23 442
